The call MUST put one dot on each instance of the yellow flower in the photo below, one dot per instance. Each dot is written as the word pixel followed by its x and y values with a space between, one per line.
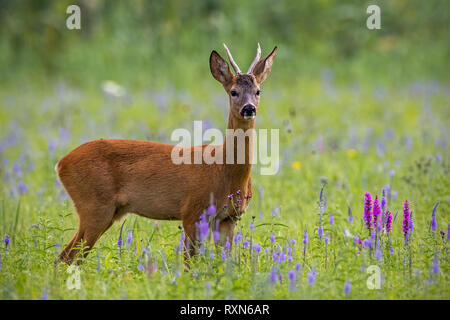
pixel 351 153
pixel 296 165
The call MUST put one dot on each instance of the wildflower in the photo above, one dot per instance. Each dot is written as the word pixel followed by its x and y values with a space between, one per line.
pixel 376 214
pixel 17 170
pixel 223 256
pixel 51 146
pixel 7 240
pixel 272 238
pixel 320 231
pixel 203 227
pixel 368 210
pixel 442 234
pixel 311 277
pixel 129 238
pixel 208 285
pixel 256 247
pixel 140 267
pixel 326 238
pixel 211 255
pixel 238 238
pixel 293 241
pixel 347 287
pixel 216 236
pixel 305 236
pixel 296 165
pixel 228 245
pixel 273 276
pixel 351 153
pixel 297 266
pixel 238 192
pixel 44 295
pixel 433 224
pixel 211 210
pixel 378 255
pixel 448 232
pixel 331 219
pixel 388 221
pixel 406 220
pixel 251 226
pixel 120 241
pixel 291 277
pixel 347 233
pixel 22 188
pixel 230 196
pixel 383 199
pixel 246 243
pixel 435 268
pixel 350 216
pixel 280 277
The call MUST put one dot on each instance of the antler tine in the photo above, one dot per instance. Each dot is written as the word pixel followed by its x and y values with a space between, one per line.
pixel 258 56
pixel 230 57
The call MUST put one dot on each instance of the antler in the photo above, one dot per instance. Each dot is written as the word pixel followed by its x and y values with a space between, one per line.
pixel 230 57
pixel 258 56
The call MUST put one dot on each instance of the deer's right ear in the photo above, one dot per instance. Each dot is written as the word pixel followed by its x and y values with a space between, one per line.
pixel 220 69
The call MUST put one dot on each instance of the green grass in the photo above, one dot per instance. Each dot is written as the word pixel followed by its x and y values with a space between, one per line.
pixel 350 120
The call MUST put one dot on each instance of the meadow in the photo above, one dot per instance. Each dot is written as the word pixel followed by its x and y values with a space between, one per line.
pixel 395 139
pixel 358 112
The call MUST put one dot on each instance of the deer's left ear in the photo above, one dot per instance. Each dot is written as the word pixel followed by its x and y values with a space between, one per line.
pixel 263 67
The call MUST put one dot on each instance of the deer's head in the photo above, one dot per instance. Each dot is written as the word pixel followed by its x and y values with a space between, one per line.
pixel 242 88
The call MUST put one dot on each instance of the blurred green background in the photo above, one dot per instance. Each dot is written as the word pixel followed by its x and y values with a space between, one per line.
pixel 140 43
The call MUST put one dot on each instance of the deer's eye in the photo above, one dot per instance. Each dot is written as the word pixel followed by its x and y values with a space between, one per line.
pixel 258 92
pixel 233 93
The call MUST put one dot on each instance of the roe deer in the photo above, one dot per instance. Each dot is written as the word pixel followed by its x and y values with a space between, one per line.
pixel 108 178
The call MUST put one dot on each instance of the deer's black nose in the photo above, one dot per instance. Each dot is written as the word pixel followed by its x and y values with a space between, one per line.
pixel 248 111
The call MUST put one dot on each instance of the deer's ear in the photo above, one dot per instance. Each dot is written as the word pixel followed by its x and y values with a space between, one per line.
pixel 262 68
pixel 220 69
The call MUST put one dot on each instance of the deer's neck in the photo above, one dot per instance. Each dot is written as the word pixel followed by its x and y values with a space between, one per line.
pixel 238 173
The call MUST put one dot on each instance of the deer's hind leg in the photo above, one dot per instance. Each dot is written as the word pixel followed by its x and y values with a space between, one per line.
pixel 94 221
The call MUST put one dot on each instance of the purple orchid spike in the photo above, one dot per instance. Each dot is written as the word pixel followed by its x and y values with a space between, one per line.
pixel 406 220
pixel 368 211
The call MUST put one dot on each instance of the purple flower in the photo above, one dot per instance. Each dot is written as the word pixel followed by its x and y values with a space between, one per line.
pixel 376 214
pixel 291 277
pixel 51 146
pixel 120 242
pixel 238 238
pixel 368 210
pixel 448 232
pixel 22 187
pixel 383 200
pixel 350 216
pixel 251 226
pixel 6 241
pixel 388 221
pixel 44 295
pixel 435 268
pixel 17 170
pixel 211 210
pixel 433 224
pixel 246 243
pixel 311 277
pixel 378 255
pixel 406 220
pixel 331 219
pixel 129 238
pixel 326 238
pixel 320 231
pixel 280 277
pixel 228 245
pixel 223 256
pixel 305 236
pixel 208 285
pixel 203 227
pixel 272 238
pixel 347 287
pixel 256 247
pixel 293 241
pixel 273 276
pixel 216 236
pixel 297 266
